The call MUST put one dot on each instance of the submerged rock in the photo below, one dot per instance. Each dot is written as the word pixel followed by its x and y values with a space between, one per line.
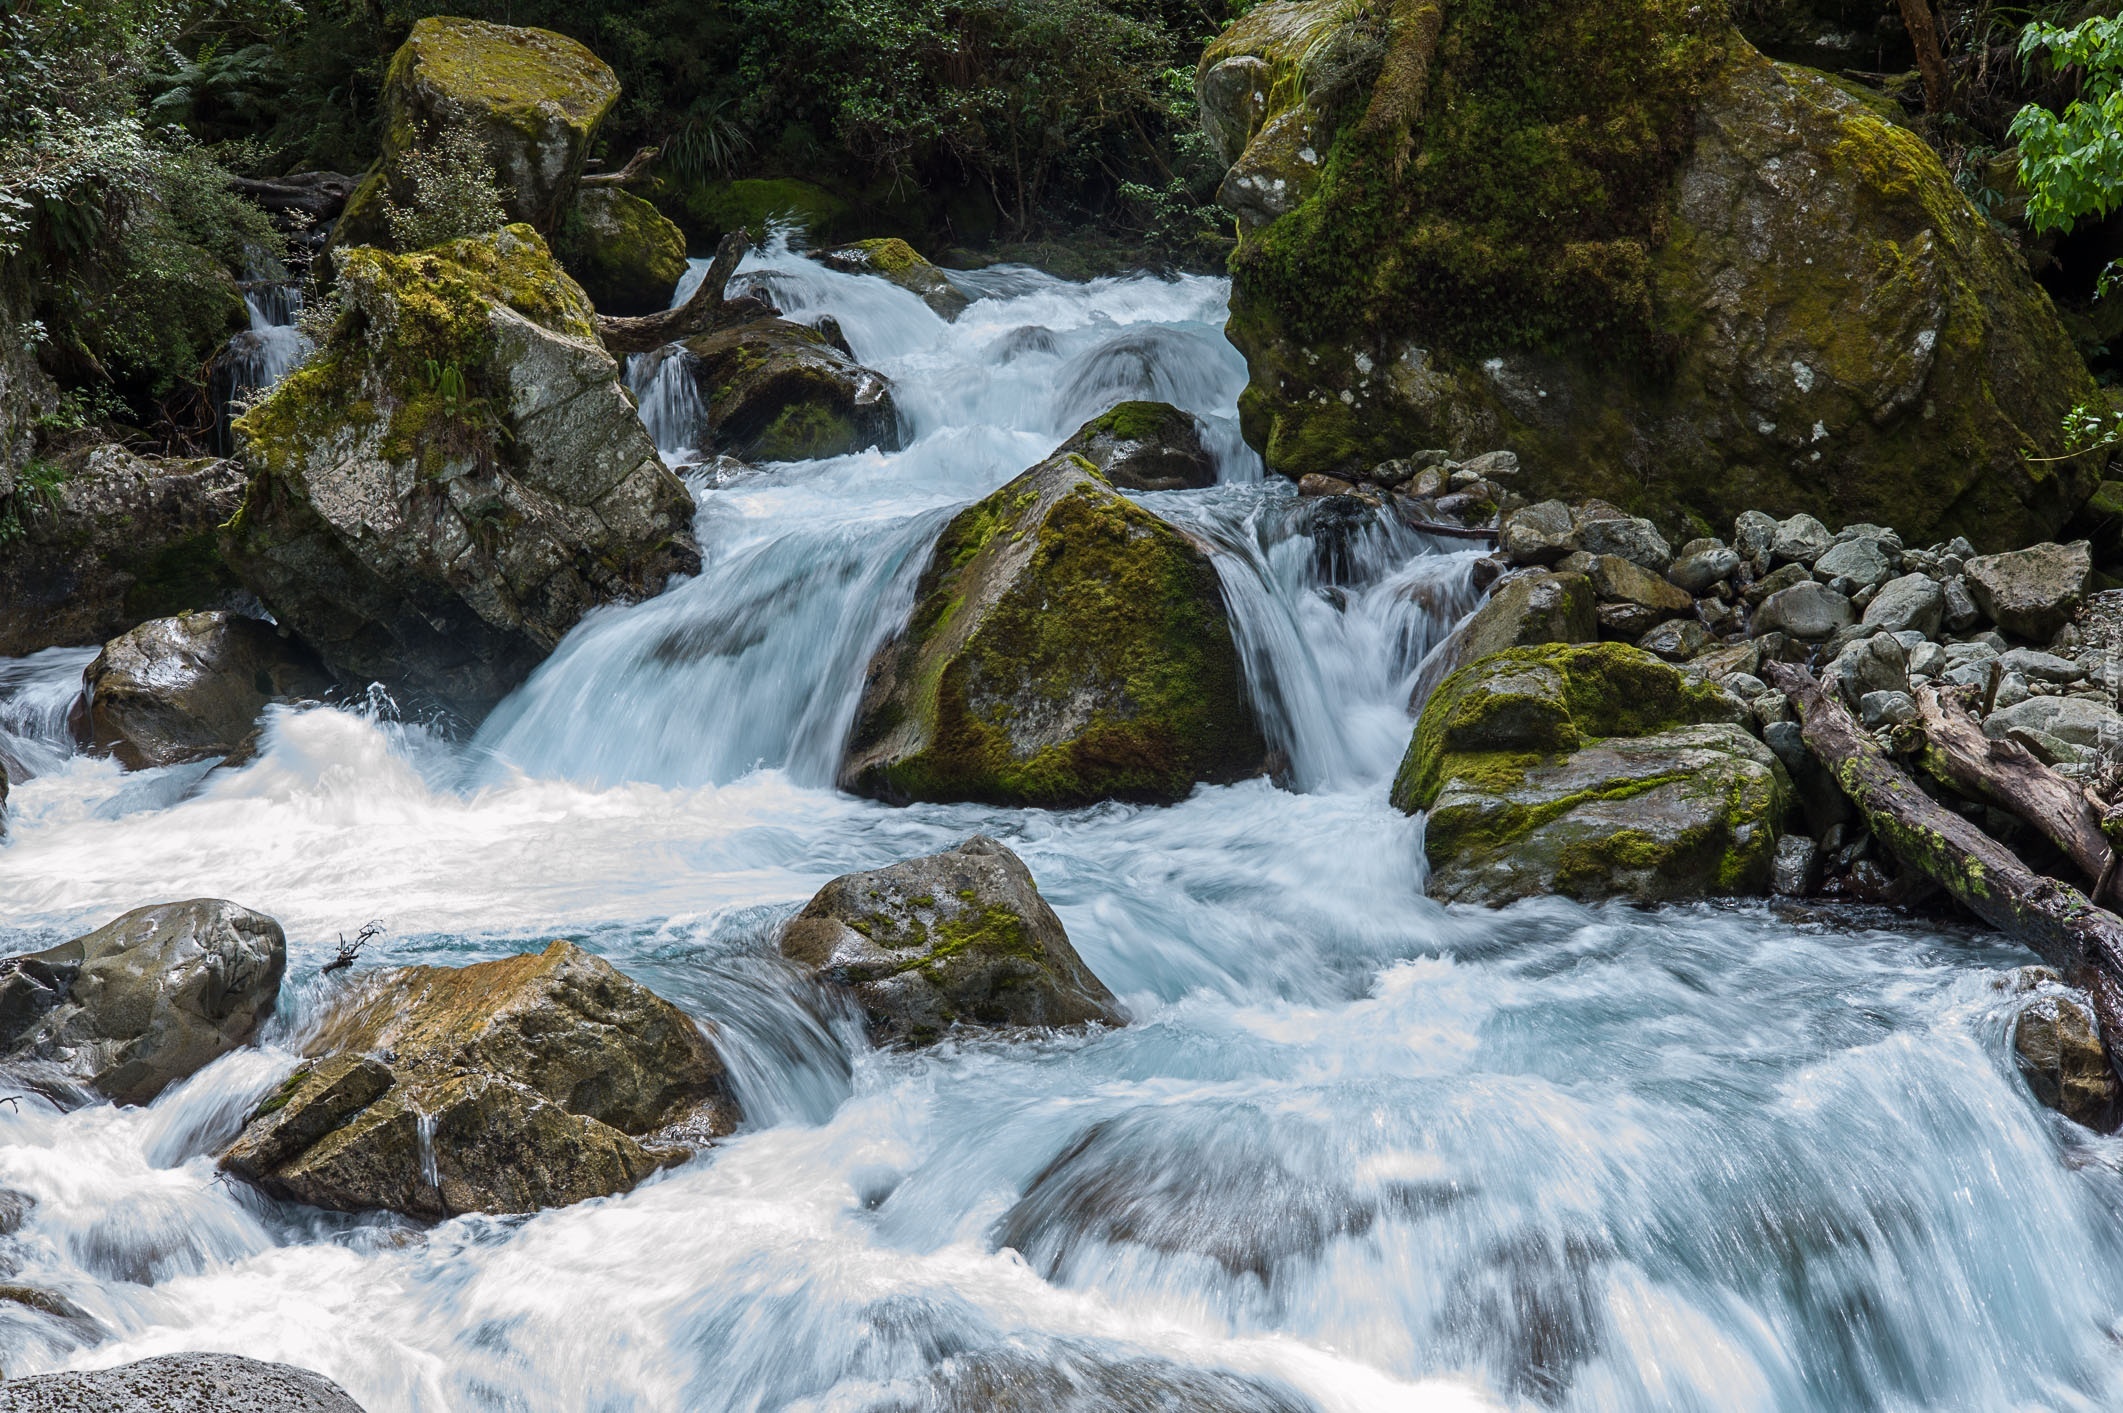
pixel 506 1086
pixel 895 260
pixel 117 539
pixel 958 938
pixel 147 1000
pixel 1066 647
pixel 628 257
pixel 1083 1378
pixel 1594 771
pixel 180 1383
pixel 184 688
pixel 777 391
pixel 1709 325
pixel 533 98
pixel 456 478
pixel 1145 446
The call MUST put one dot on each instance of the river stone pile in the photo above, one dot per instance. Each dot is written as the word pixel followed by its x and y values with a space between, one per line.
pixel 1430 488
pixel 506 1086
pixel 958 938
pixel 144 1002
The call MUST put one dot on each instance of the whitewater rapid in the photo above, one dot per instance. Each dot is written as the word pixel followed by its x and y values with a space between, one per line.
pixel 1356 1152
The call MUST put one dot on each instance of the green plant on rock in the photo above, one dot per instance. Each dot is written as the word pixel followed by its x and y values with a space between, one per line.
pixel 452 189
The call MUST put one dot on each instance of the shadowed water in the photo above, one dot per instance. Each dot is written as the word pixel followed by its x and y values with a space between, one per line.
pixel 1357 1151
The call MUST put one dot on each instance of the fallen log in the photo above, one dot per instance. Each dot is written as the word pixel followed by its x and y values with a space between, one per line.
pixel 2057 921
pixel 632 172
pixel 2006 774
pixel 697 315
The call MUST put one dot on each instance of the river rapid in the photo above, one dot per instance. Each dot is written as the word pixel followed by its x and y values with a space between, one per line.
pixel 1356 1152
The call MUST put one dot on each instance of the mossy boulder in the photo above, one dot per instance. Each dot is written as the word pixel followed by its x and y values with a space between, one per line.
pixel 958 938
pixel 1145 446
pixel 142 1002
pixel 892 259
pixel 1594 771
pixel 1670 274
pixel 1066 647
pixel 111 540
pixel 772 390
pixel 626 255
pixel 505 1086
pixel 456 477
pixel 533 97
pixel 193 686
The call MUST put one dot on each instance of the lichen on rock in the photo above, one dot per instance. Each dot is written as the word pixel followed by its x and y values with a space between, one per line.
pixel 1066 647
pixel 456 477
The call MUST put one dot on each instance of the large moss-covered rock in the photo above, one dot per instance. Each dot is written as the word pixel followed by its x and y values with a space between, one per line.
pixel 627 256
pixel 893 259
pixel 534 98
pixel 110 540
pixel 183 688
pixel 506 1086
pixel 456 477
pixel 147 1000
pixel 1145 446
pixel 1066 647
pixel 771 390
pixel 1594 771
pixel 1669 273
pixel 955 938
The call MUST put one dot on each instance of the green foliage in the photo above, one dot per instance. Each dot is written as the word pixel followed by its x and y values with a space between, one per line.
pixel 453 189
pixel 2072 163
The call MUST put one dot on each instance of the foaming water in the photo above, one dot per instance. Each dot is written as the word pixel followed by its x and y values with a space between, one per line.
pixel 1355 1151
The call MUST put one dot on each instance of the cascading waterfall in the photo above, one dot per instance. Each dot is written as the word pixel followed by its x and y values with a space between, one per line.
pixel 269 349
pixel 1355 1152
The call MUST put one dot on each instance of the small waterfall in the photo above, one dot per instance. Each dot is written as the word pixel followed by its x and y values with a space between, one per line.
pixel 669 401
pixel 259 357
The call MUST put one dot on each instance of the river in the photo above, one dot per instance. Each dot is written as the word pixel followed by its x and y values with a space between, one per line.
pixel 1356 1151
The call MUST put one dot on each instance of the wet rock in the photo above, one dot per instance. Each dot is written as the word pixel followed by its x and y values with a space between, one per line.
pixel 147 1000
pixel 958 938
pixel 1145 446
pixel 1806 611
pixel 1315 486
pixel 1624 537
pixel 1592 771
pixel 506 1086
pixel 627 256
pixel 1702 570
pixel 534 99
pixel 1538 534
pixel 1066 646
pixel 2058 1048
pixel 119 539
pixel 180 1383
pixel 1082 1378
pixel 1797 868
pixel 777 391
pixel 2031 593
pixel 894 260
pixel 1677 640
pixel 2082 721
pixel 184 688
pixel 456 478
pixel 1530 610
pixel 1914 602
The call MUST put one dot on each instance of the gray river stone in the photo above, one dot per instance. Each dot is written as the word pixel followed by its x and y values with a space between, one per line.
pixel 180 1383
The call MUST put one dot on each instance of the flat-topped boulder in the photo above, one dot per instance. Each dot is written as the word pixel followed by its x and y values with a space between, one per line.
pixel 505 1086
pixel 1066 647
pixel 957 938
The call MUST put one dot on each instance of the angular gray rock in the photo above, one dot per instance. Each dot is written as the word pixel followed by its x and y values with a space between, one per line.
pixel 1961 613
pixel 1887 708
pixel 1145 446
pixel 184 688
pixel 2038 666
pixel 1699 572
pixel 180 1383
pixel 1861 561
pixel 1800 540
pixel 1874 664
pixel 1912 602
pixel 958 938
pixel 772 390
pixel 1677 640
pixel 1806 611
pixel 147 1000
pixel 2082 721
pixel 1532 608
pixel 1626 537
pixel 1798 865
pixel 1754 535
pixel 1542 533
pixel 2033 592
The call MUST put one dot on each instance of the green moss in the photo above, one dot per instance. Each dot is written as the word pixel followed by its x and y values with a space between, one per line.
pixel 628 257
pixel 520 75
pixel 889 255
pixel 993 931
pixel 708 210
pixel 1135 421
pixel 803 431
pixel 285 1094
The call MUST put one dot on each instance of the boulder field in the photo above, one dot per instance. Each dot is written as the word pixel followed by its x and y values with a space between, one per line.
pixel 1683 279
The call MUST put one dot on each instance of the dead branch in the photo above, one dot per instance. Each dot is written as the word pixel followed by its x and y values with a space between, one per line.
pixel 637 166
pixel 697 315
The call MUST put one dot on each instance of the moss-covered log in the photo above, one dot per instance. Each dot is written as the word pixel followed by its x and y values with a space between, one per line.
pixel 2006 774
pixel 2081 940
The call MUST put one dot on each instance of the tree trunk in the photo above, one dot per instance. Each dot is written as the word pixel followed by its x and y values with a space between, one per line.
pixel 2082 941
pixel 700 313
pixel 1931 58
pixel 2004 773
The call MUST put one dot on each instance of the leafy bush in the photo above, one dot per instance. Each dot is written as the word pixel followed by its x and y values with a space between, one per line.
pixel 454 191
pixel 2072 163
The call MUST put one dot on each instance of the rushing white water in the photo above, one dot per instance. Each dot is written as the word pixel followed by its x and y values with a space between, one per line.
pixel 268 351
pixel 1357 1151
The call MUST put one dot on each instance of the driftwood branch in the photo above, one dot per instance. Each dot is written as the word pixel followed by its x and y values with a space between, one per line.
pixel 2006 774
pixel 318 195
pixel 697 315
pixel 636 167
pixel 2057 921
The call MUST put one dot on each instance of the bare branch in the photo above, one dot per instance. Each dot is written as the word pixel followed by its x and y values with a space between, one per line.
pixel 637 166
pixel 697 315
